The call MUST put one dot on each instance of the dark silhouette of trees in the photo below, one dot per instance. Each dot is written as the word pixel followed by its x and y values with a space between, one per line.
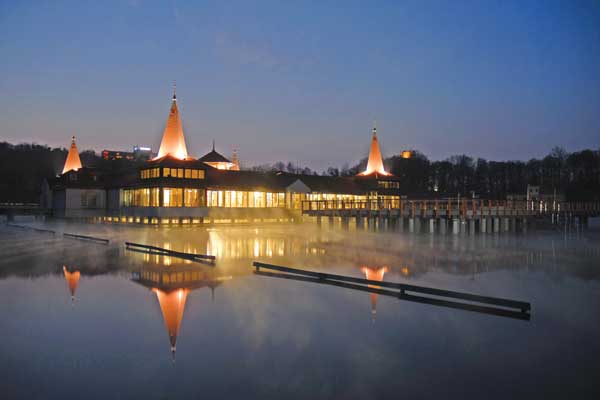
pixel 24 167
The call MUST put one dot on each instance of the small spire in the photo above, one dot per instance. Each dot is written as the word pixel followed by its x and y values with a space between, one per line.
pixel 375 128
pixel 213 144
pixel 73 139
pixel 174 90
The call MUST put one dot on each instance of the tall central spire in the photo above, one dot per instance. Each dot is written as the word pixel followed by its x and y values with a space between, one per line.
pixel 173 141
pixel 375 163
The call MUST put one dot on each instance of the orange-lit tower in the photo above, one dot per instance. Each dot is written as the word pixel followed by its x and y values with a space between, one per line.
pixel 172 305
pixel 173 141
pixel 72 279
pixel 73 162
pixel 375 163
pixel 373 274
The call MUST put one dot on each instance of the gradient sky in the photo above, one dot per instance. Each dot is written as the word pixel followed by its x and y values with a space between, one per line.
pixel 304 82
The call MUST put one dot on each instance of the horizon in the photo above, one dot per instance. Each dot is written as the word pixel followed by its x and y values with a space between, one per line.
pixel 496 80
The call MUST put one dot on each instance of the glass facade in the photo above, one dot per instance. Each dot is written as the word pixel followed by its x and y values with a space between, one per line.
pixel 145 197
pixel 244 199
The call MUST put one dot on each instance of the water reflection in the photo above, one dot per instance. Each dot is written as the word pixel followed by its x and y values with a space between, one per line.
pixel 72 279
pixel 374 274
pixel 172 284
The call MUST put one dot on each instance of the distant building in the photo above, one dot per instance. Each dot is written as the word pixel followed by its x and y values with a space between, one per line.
pixel 177 188
pixel 138 153
pixel 406 154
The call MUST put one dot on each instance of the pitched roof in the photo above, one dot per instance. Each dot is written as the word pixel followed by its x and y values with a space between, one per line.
pixel 213 156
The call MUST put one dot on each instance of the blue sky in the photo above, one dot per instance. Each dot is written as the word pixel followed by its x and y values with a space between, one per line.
pixel 303 81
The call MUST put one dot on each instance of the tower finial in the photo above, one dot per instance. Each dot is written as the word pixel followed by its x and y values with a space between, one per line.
pixel 213 144
pixel 174 90
pixel 374 127
pixel 73 139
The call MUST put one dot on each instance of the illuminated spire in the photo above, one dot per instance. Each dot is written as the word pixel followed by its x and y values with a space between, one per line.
pixel 173 141
pixel 374 275
pixel 73 162
pixel 172 305
pixel 375 163
pixel 72 279
pixel 235 161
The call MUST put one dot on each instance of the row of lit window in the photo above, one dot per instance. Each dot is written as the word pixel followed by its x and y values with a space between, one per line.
pixel 186 173
pixel 243 199
pixel 150 173
pixel 172 197
pixel 389 184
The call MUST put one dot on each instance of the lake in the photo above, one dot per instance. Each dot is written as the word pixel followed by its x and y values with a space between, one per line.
pixel 81 319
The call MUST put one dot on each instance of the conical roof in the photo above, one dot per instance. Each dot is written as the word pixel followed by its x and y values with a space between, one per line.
pixel 375 163
pixel 73 162
pixel 172 305
pixel 173 141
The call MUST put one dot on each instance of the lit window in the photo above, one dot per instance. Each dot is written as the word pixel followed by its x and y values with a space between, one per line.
pixel 166 172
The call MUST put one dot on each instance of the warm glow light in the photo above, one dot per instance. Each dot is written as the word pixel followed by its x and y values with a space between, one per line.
pixel 173 141
pixel 72 163
pixel 375 163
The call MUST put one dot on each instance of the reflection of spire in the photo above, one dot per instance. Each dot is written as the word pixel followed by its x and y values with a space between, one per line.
pixel 172 305
pixel 72 279
pixel 374 275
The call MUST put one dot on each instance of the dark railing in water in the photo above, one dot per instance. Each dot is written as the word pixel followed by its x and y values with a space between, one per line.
pixel 144 248
pixel 402 288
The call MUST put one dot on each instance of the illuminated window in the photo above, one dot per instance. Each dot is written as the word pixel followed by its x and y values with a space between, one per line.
pixel 180 172
pixel 172 197
pixel 166 172
pixel 194 174
pixel 188 173
pixel 193 197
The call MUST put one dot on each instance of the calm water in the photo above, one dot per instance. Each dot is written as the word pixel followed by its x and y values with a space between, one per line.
pixel 85 320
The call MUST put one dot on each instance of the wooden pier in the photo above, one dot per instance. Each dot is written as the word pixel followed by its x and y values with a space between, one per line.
pixel 450 215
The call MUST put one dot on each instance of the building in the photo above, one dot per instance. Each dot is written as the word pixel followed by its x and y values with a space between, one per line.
pixel 175 188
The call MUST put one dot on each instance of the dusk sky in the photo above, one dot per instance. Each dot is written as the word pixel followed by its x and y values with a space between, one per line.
pixel 304 82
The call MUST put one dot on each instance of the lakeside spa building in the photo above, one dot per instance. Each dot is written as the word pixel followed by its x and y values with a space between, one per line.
pixel 174 188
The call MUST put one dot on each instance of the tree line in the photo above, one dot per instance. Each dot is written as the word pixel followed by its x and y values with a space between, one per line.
pixel 23 168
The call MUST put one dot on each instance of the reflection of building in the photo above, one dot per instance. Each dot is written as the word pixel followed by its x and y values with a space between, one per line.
pixel 72 279
pixel 172 286
pixel 373 274
pixel 177 188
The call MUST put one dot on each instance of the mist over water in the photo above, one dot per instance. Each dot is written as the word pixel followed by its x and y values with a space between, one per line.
pixel 105 334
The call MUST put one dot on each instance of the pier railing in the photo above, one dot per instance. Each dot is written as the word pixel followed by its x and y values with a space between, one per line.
pixel 453 207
